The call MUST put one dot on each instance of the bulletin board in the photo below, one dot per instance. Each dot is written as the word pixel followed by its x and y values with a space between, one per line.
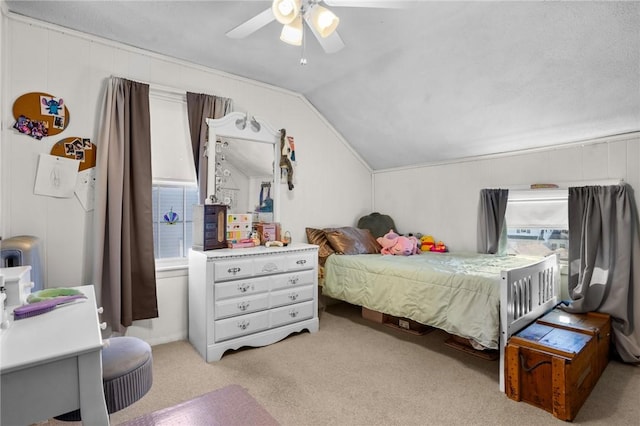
pixel 52 111
pixel 76 148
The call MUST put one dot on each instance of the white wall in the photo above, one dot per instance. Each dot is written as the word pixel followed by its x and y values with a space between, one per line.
pixel 442 200
pixel 45 58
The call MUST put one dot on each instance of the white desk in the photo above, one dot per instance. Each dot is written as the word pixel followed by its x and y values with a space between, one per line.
pixel 51 364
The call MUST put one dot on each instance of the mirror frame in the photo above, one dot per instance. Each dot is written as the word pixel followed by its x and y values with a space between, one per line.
pixel 238 125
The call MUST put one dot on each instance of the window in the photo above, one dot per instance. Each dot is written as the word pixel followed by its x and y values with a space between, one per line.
pixel 173 220
pixel 537 222
pixel 174 179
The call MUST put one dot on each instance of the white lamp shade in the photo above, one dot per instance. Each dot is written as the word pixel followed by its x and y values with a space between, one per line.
pixel 292 33
pixel 285 11
pixel 324 21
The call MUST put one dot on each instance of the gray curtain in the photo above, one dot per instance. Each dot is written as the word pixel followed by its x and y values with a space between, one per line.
pixel 604 246
pixel 124 268
pixel 491 224
pixel 199 108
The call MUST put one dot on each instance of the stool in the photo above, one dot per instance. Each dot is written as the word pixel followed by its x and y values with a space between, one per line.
pixel 126 374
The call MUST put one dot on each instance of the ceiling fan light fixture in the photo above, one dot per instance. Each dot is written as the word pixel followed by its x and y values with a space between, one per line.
pixel 324 21
pixel 292 33
pixel 286 11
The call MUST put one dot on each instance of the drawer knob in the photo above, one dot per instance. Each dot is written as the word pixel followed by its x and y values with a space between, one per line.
pixel 103 326
pixel 233 270
pixel 243 306
pixel 100 310
pixel 293 313
pixel 243 325
pixel 294 280
pixel 293 296
pixel 301 262
pixel 242 288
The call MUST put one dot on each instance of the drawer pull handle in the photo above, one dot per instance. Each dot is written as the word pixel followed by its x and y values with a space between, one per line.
pixel 243 325
pixel 233 270
pixel 301 262
pixel 293 313
pixel 243 306
pixel 294 280
pixel 293 296
pixel 242 288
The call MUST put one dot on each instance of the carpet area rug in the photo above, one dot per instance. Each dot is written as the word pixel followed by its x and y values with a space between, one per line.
pixel 229 406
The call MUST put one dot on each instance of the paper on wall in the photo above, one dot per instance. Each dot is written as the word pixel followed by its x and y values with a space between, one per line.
pixel 56 176
pixel 85 187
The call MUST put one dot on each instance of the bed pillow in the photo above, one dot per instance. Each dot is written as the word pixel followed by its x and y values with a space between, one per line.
pixel 318 237
pixel 352 240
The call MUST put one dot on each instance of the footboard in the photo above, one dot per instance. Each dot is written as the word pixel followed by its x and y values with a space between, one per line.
pixel 526 294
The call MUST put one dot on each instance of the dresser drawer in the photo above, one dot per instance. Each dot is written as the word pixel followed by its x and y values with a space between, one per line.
pixel 304 260
pixel 291 295
pixel 291 313
pixel 232 269
pixel 241 305
pixel 240 326
pixel 292 280
pixel 242 287
pixel 264 265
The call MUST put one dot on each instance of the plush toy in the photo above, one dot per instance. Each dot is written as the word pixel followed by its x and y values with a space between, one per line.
pixel 398 245
pixel 427 243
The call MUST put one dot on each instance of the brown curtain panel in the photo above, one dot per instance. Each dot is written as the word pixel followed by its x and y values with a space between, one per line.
pixel 491 224
pixel 125 266
pixel 604 248
pixel 199 108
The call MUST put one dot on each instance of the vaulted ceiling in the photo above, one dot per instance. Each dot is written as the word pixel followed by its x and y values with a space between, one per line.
pixel 429 82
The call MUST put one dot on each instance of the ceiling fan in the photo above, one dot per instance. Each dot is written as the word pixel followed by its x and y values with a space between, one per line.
pixel 318 18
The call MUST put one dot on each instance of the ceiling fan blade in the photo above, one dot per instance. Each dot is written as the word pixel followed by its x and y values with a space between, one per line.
pixel 330 44
pixel 383 4
pixel 252 25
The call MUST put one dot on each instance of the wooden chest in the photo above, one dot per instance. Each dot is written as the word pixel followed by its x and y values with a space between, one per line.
pixel 594 324
pixel 552 368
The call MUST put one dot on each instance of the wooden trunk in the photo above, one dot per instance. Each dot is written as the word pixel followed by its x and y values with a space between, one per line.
pixel 551 368
pixel 594 324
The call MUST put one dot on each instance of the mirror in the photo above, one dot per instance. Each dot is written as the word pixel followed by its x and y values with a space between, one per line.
pixel 245 174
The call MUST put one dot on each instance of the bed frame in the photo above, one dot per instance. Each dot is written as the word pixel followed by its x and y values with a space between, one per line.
pixel 526 294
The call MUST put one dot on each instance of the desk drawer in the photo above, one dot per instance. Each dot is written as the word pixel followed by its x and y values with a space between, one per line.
pixel 240 326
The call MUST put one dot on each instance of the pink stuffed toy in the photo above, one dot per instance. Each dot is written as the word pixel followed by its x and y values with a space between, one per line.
pixel 398 245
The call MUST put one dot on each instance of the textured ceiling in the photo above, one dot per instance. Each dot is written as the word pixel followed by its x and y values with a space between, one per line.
pixel 430 82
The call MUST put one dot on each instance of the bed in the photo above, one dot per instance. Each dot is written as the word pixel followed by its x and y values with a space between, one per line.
pixel 480 297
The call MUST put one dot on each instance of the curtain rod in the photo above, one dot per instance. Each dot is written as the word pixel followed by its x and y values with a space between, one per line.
pixel 158 87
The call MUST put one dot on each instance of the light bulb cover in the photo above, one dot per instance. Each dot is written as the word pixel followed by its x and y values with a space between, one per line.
pixel 286 11
pixel 292 33
pixel 323 20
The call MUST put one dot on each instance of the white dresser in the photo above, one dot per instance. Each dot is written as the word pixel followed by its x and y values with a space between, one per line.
pixel 251 296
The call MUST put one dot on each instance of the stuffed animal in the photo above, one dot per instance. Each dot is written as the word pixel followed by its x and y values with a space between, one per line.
pixel 427 243
pixel 398 245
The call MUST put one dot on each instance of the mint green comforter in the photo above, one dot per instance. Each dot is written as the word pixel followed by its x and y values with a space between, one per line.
pixel 458 293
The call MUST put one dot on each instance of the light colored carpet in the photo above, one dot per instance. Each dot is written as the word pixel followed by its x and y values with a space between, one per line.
pixel 355 372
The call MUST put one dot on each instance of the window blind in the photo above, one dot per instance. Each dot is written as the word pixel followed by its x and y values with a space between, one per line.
pixel 538 208
pixel 171 152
